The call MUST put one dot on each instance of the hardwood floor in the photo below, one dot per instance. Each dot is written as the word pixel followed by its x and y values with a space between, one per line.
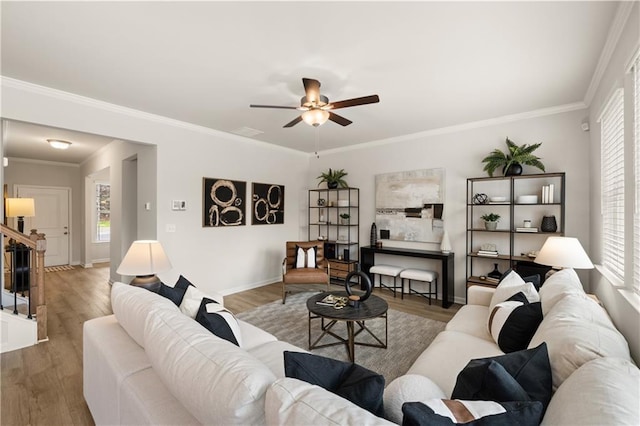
pixel 42 385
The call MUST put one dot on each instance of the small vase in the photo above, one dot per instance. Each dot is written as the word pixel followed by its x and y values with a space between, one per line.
pixel 490 226
pixel 549 224
pixel 514 169
pixel 374 235
pixel 445 244
pixel 495 273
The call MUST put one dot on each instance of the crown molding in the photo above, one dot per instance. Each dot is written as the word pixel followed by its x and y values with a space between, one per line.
pixel 106 106
pixel 42 162
pixel 613 37
pixel 576 106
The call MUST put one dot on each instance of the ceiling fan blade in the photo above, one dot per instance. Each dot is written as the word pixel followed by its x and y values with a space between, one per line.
pixel 293 122
pixel 355 102
pixel 272 106
pixel 339 119
pixel 312 89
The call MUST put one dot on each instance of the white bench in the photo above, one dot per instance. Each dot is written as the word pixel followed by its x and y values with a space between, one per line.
pixel 390 271
pixel 430 277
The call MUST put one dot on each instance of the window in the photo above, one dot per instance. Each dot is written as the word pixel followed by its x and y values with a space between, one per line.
pixel 612 168
pixel 636 138
pixel 103 212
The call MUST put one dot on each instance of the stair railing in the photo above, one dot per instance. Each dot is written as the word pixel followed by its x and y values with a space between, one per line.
pixel 37 245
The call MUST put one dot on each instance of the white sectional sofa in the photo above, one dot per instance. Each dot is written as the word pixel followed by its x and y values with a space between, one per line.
pixel 150 364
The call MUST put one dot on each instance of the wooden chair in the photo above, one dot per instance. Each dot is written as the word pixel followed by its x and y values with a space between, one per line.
pixel 291 275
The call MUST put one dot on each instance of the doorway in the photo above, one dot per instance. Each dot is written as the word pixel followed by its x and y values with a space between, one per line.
pixel 53 218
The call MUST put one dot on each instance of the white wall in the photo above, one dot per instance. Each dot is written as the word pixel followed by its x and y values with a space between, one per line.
pixel 220 260
pixel 46 174
pixel 622 305
pixel 564 149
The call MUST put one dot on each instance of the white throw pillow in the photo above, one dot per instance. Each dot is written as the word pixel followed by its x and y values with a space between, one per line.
pixel 605 391
pixel 306 258
pixel 191 301
pixel 408 388
pixel 578 330
pixel 131 305
pixel 510 285
pixel 301 258
pixel 311 257
pixel 557 286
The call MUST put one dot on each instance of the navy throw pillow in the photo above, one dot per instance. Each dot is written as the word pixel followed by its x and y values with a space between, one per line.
pixel 175 293
pixel 359 385
pixel 513 323
pixel 530 368
pixel 222 323
pixel 471 413
pixel 533 279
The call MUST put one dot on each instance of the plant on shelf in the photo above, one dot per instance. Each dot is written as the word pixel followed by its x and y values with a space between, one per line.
pixel 333 178
pixel 490 220
pixel 512 161
pixel 345 218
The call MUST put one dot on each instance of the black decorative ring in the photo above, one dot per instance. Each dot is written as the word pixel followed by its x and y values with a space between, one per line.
pixel 365 281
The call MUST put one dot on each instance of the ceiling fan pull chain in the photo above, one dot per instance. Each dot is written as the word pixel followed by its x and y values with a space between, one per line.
pixel 317 141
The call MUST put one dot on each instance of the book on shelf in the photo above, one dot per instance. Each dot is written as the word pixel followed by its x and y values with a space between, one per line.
pixel 487 253
pixel 526 229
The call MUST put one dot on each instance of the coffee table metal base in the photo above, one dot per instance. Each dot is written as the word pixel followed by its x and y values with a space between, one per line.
pixel 350 341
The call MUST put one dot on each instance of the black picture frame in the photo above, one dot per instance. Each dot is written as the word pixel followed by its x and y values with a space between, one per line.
pixel 223 202
pixel 267 204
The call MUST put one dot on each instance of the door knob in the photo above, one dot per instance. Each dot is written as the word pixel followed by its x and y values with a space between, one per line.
pixel 65 233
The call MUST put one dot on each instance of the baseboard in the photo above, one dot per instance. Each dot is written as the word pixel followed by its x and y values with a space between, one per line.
pixel 250 286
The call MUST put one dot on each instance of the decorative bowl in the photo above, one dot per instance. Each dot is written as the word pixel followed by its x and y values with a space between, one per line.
pixel 527 199
pixel 343 203
pixel 498 199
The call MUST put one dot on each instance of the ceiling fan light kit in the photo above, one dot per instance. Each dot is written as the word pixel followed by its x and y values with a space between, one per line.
pixel 59 144
pixel 317 108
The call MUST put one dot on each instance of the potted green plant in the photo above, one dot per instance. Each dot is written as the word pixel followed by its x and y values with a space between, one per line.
pixel 333 178
pixel 490 221
pixel 512 161
pixel 345 218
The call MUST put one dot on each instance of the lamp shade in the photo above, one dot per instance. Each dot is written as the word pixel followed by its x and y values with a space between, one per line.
pixel 563 252
pixel 144 257
pixel 20 207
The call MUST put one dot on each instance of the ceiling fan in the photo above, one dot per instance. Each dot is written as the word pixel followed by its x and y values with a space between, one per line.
pixel 316 107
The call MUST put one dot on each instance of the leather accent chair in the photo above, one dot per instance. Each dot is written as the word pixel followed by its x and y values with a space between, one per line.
pixel 291 275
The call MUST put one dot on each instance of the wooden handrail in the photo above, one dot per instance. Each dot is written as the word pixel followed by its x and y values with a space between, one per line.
pixel 37 244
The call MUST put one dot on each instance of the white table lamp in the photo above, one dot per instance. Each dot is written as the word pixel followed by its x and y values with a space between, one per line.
pixel 563 252
pixel 20 208
pixel 143 260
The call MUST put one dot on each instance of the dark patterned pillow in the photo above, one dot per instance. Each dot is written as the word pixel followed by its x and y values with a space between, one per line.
pixel 480 380
pixel 513 322
pixel 351 381
pixel 175 293
pixel 215 318
pixel 445 412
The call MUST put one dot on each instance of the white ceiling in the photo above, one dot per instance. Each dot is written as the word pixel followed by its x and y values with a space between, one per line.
pixel 433 64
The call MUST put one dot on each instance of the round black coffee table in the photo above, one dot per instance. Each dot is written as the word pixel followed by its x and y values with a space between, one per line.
pixel 373 307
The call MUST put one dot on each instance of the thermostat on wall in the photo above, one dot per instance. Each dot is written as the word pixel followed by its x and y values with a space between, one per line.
pixel 178 205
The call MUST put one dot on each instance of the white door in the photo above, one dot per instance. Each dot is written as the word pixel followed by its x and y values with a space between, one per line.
pixel 52 219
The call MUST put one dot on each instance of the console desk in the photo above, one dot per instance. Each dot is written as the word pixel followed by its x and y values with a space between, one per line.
pixel 367 260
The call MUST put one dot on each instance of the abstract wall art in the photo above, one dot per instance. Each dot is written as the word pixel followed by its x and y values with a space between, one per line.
pixel 410 204
pixel 267 204
pixel 223 202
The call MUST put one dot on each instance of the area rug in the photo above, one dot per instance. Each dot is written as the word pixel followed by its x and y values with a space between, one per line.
pixel 409 334
pixel 59 268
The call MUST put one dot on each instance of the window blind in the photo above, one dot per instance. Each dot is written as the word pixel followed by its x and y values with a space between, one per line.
pixel 612 168
pixel 636 139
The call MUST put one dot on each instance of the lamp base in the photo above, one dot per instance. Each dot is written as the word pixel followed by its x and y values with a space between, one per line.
pixel 150 282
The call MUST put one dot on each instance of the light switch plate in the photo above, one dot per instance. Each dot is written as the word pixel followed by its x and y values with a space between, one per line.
pixel 178 205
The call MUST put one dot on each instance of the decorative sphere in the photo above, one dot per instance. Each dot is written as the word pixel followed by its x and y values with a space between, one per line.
pixel 480 199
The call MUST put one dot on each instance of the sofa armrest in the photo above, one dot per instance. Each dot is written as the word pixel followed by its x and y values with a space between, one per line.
pixel 479 295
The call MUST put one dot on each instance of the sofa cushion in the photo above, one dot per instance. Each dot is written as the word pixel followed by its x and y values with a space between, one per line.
pixel 294 402
pixel 408 388
pixel 253 336
pixel 216 381
pixel 215 318
pixel 576 331
pixel 175 293
pixel 359 385
pixel 132 304
pixel 557 286
pixel 511 285
pixel 602 391
pixel 438 412
pixel 518 376
pixel 448 354
pixel 471 319
pixel 271 354
pixel 513 323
